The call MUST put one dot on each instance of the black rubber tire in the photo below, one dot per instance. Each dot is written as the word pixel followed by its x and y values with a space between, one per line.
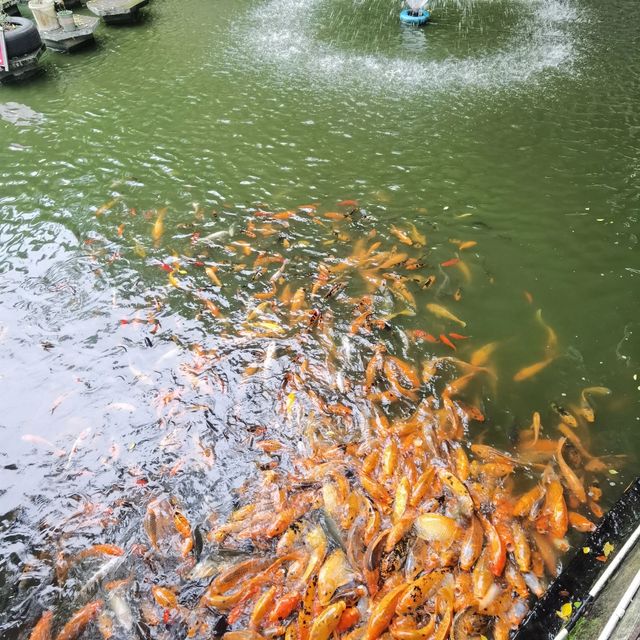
pixel 13 10
pixel 22 40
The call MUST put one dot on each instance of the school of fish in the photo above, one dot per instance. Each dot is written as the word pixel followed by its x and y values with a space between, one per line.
pixel 387 516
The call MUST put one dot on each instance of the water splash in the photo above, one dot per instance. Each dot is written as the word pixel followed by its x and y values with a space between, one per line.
pixel 416 5
pixel 283 38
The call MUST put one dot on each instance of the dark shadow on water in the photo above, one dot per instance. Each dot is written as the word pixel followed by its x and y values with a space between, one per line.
pixel 142 18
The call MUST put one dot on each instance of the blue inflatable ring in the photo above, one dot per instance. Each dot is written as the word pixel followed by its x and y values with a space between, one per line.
pixel 407 18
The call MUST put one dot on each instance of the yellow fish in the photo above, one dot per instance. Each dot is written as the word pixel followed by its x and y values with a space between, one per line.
pixel 158 226
pixel 481 356
pixel 586 408
pixel 173 280
pixel 297 302
pixel 106 206
pixel 263 307
pixel 395 314
pixel 269 326
pixel 531 370
pixel 139 250
pixel 211 273
pixel 291 398
pixel 417 237
pixel 212 307
pixel 464 269
pixel 400 290
pixel 393 260
pixel 552 338
pixel 401 235
pixel 443 312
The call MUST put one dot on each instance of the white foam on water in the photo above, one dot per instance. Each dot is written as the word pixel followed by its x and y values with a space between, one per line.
pixel 281 36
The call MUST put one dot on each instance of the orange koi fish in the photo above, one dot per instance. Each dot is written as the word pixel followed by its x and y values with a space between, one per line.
pixel 575 486
pixel 266 295
pixel 213 276
pixel 213 308
pixel 555 511
pixel 383 613
pixel 79 622
pixel 284 215
pixel 419 334
pixel 99 550
pixel 245 634
pixel 471 544
pixel 349 618
pixel 446 341
pixel 580 523
pixel 42 631
pixel 361 322
pixel 164 597
pixel 284 607
pixel 406 370
pixel 419 591
pixel 401 235
pixel 497 553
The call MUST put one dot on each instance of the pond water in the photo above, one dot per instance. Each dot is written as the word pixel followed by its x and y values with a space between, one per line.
pixel 511 124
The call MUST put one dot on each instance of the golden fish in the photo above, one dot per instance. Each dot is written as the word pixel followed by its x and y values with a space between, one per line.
pixel 531 370
pixel 586 407
pixel 574 484
pixel 401 235
pixel 443 312
pixel 106 206
pixel 481 356
pixel 552 338
pixel 158 226
pixel 211 273
pixel 416 236
pixel 464 270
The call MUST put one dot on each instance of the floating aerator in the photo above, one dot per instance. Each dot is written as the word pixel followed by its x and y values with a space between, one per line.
pixel 415 13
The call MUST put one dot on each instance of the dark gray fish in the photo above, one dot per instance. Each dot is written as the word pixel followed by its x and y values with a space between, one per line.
pixel 331 529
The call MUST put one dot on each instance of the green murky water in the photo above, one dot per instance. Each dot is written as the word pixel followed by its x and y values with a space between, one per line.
pixel 514 124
